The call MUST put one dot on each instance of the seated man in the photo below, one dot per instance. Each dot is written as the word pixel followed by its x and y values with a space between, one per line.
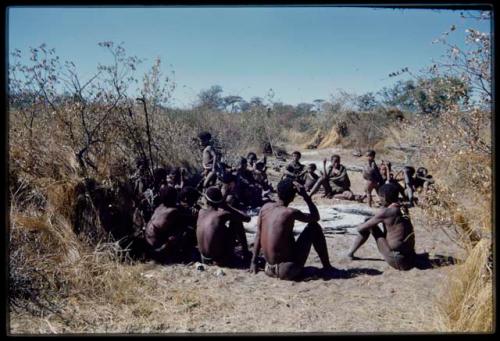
pixel 252 159
pixel 384 170
pixel 247 193
pixel 409 189
pixel 397 243
pixel 189 209
pixel 372 176
pixel 262 181
pixel 228 188
pixel 285 257
pixel 176 178
pixel 335 181
pixel 295 170
pixel 159 180
pixel 216 241
pixel 166 231
pixel 423 179
pixel 310 178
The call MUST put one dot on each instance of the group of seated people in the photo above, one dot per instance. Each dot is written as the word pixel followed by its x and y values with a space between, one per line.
pixel 377 176
pixel 181 230
pixel 334 178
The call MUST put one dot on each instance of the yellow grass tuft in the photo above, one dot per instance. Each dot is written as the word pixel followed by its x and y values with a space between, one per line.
pixel 467 304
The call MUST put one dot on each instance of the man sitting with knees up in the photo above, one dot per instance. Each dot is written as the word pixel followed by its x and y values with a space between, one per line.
pixel 285 257
pixel 216 241
pixel 397 242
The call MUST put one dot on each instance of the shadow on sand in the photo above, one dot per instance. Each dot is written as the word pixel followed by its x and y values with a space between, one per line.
pixel 313 273
pixel 424 262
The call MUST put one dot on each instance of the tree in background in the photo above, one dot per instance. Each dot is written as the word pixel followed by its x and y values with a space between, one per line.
pixel 211 98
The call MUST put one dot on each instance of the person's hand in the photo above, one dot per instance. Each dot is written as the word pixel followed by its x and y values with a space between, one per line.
pixel 300 189
pixel 325 160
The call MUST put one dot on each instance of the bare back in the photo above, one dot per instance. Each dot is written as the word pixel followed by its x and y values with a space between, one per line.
pixel 212 232
pixel 163 224
pixel 399 229
pixel 276 236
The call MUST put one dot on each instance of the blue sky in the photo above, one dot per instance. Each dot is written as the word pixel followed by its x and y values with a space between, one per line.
pixel 302 53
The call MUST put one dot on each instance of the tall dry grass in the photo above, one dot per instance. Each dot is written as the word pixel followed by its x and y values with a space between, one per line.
pixel 456 148
pixel 467 304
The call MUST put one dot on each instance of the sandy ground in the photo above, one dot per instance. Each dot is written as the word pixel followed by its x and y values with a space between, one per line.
pixel 365 295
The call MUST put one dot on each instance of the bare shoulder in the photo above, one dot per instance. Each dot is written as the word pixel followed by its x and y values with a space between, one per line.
pixel 291 211
pixel 387 212
pixel 267 206
pixel 171 211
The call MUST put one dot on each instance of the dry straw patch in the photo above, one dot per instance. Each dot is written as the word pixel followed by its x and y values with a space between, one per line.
pixel 467 305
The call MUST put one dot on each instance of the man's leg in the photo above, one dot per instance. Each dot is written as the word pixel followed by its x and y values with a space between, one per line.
pixel 368 192
pixel 238 232
pixel 209 179
pixel 345 195
pixel 409 195
pixel 394 259
pixel 312 235
pixel 317 185
pixel 361 238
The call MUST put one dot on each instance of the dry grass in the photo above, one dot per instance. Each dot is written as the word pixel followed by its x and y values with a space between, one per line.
pixel 461 206
pixel 467 304
pixel 60 284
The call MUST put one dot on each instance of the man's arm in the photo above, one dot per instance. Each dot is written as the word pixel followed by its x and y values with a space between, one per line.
pixel 313 215
pixel 341 175
pixel 289 171
pixel 235 213
pixel 256 246
pixel 214 158
pixel 243 180
pixel 373 221
pixel 183 176
pixel 324 168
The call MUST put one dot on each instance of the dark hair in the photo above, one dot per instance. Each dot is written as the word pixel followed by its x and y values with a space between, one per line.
pixel 168 196
pixel 189 194
pixel 286 190
pixel 335 157
pixel 422 171
pixel 370 152
pixel 227 177
pixel 159 174
pixel 204 135
pixel 389 192
pixel 251 155
pixel 410 170
pixel 297 153
pixel 214 196
pixel 260 165
pixel 389 165
pixel 141 162
pixel 176 171
pixel 312 166
pixel 243 161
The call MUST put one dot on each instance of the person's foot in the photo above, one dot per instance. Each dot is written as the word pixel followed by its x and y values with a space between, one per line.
pixel 328 272
pixel 349 257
